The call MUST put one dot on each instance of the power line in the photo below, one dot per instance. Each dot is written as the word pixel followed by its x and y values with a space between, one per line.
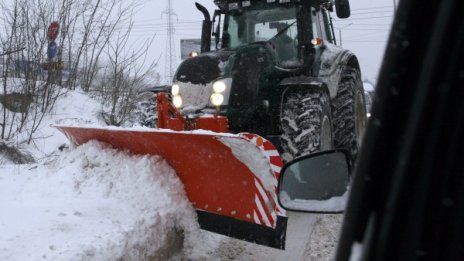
pixel 375 12
pixel 368 29
pixel 362 41
pixel 368 18
pixel 371 8
pixel 163 24
pixel 366 24
pixel 150 21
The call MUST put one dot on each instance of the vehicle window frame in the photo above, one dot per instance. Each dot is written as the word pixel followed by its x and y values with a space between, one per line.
pixel 325 19
pixel 316 25
pixel 250 28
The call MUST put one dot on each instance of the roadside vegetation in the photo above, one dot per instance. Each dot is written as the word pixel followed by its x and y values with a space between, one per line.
pixel 95 54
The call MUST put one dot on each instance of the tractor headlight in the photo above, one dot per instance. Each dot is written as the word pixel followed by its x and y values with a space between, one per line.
pixel 221 92
pixel 177 101
pixel 175 89
pixel 219 87
pixel 217 99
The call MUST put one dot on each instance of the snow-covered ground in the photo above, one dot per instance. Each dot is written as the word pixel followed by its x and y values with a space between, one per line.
pixel 95 203
pixel 91 203
pixel 309 238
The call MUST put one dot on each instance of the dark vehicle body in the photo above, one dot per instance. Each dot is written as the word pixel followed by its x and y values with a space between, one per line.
pixel 268 54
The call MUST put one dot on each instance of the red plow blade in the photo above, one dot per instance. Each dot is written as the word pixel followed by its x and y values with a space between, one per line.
pixel 230 179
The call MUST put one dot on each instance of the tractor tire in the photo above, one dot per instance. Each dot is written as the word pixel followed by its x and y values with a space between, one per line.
pixel 306 123
pixel 349 112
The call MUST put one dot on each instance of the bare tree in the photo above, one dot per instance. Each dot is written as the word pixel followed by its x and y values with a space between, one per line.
pixel 27 20
pixel 100 20
pixel 8 43
pixel 93 46
pixel 126 75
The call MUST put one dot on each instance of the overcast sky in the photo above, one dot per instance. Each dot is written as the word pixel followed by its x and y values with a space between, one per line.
pixel 364 33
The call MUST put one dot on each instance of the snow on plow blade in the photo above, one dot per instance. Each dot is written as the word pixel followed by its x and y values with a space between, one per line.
pixel 230 179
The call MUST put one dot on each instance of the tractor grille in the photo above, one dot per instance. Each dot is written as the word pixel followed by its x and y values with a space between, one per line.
pixel 245 78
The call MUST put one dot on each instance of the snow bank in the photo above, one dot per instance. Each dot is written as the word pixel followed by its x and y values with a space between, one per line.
pixel 72 108
pixel 93 203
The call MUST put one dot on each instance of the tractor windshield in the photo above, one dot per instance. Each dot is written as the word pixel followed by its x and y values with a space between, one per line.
pixel 277 26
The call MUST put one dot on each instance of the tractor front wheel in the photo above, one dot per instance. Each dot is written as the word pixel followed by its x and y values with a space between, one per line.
pixel 349 111
pixel 306 123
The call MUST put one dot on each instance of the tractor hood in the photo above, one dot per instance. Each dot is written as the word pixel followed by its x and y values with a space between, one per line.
pixel 195 78
pixel 237 75
pixel 203 68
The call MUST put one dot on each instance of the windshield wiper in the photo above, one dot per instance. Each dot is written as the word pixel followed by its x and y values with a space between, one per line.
pixel 281 31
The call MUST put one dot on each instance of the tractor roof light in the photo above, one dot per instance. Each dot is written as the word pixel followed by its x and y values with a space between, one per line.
pixel 238 5
pixel 193 54
pixel 233 6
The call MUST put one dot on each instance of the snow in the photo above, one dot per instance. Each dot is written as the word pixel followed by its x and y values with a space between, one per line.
pixel 254 159
pixel 195 96
pixel 90 202
pixel 143 129
pixel 329 72
pixel 94 203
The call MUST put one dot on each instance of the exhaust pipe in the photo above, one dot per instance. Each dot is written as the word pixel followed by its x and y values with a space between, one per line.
pixel 206 29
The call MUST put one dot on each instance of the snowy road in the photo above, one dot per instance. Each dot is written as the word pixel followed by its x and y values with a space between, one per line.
pixel 299 230
pixel 310 237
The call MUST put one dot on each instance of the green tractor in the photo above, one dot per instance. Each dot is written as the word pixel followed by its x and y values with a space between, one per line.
pixel 275 70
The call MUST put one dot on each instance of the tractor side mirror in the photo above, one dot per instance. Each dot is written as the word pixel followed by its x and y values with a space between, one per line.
pixel 343 8
pixel 316 183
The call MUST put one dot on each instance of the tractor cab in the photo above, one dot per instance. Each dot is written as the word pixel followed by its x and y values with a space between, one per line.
pixel 291 27
pixel 263 23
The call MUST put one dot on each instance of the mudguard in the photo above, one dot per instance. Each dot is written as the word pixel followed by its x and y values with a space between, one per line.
pixel 332 60
pixel 231 179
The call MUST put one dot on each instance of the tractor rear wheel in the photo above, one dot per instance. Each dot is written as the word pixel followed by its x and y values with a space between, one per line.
pixel 349 111
pixel 306 123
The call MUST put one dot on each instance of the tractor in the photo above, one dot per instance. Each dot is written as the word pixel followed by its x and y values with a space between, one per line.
pixel 275 70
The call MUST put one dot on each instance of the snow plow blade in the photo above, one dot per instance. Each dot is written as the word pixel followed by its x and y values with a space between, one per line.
pixel 230 179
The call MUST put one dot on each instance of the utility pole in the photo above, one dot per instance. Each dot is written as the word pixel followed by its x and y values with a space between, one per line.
pixel 340 33
pixel 170 56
